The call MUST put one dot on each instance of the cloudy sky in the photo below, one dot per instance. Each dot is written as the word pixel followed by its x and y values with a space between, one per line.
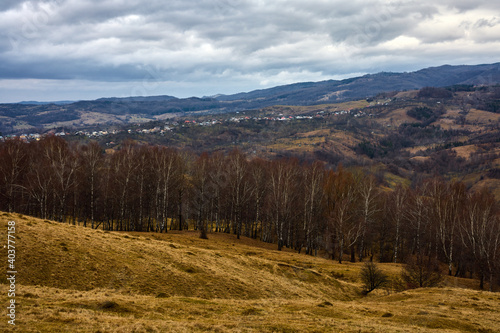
pixel 86 49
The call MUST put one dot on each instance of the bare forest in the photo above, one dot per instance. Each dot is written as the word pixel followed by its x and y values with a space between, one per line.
pixel 341 213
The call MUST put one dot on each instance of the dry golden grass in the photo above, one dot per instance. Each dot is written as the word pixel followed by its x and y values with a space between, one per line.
pixel 74 279
pixel 475 121
pixel 482 117
pixel 396 118
pixel 395 180
pixel 492 184
pixel 462 151
pixel 340 142
pixel 410 94
pixel 428 310
pixel 420 158
pixel 311 109
pixel 465 151
pixel 300 144
pixel 177 264
pixel 316 133
pixel 93 118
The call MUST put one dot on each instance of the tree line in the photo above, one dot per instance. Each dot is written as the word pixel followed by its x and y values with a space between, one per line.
pixel 345 214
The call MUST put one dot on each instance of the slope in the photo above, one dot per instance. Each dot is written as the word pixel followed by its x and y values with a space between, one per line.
pixel 174 264
pixel 76 279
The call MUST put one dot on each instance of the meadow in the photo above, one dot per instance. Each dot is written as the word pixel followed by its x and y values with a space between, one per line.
pixel 76 279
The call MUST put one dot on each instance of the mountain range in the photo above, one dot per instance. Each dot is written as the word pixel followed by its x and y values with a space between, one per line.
pixel 37 115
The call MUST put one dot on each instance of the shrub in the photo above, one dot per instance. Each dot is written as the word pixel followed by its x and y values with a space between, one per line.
pixel 372 277
pixel 420 113
pixel 420 273
pixel 432 92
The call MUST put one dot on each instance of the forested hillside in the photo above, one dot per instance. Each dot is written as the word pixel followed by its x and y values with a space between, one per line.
pixel 344 214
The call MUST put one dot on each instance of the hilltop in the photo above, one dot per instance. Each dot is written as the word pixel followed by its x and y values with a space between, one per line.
pixel 83 280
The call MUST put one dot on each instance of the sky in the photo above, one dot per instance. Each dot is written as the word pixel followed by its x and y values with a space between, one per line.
pixel 86 49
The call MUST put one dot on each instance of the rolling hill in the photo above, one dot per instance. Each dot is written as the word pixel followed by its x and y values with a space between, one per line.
pixel 22 117
pixel 78 279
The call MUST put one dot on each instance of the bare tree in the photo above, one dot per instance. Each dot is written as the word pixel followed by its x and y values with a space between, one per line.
pixel 481 233
pixel 417 216
pixel 39 180
pixel 63 165
pixel 397 205
pixel 282 197
pixel 219 187
pixel 142 177
pixel 418 273
pixel 183 184
pixel 239 186
pixel 447 203
pixel 13 159
pixel 372 277
pixel 165 165
pixel 258 179
pixel 122 168
pixel 201 196
pixel 91 160
pixel 314 176
pixel 341 207
pixel 368 196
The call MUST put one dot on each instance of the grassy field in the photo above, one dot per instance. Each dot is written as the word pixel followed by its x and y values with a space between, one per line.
pixel 74 279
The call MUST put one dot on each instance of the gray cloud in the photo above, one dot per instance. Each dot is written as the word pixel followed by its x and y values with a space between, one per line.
pixel 235 44
pixel 8 4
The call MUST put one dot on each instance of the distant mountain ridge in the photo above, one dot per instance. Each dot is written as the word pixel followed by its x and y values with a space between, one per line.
pixel 116 110
pixel 138 99
pixel 373 84
pixel 351 88
pixel 45 103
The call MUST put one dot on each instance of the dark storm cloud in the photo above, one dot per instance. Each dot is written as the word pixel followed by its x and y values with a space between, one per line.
pixel 229 41
pixel 7 4
pixel 66 70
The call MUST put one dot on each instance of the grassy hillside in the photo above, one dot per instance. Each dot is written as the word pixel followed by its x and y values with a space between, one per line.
pixel 76 279
pixel 175 264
